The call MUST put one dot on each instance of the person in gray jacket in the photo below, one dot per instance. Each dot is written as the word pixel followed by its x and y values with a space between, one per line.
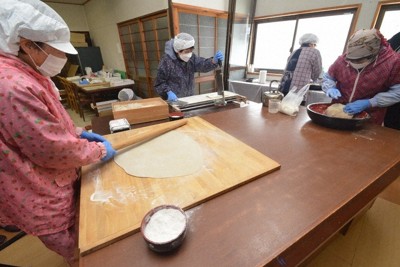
pixel 175 76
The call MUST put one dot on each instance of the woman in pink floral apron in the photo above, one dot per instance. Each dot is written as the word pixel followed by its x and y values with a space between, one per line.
pixel 41 150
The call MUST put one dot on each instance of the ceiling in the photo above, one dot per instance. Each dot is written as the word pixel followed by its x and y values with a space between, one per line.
pixel 71 2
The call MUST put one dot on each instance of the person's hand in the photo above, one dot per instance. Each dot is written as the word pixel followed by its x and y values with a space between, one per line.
pixel 171 96
pixel 92 137
pixel 110 151
pixel 218 57
pixel 333 93
pixel 357 106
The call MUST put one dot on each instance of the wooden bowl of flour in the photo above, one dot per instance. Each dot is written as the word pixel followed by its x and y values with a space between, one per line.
pixel 164 228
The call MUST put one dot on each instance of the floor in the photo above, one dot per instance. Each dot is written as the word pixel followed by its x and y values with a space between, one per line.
pixel 79 122
pixel 372 240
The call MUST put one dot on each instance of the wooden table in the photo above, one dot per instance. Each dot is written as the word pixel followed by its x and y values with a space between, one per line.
pixel 326 177
pixel 252 91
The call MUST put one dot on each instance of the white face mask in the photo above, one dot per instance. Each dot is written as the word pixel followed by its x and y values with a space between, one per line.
pixel 359 65
pixel 51 66
pixel 185 57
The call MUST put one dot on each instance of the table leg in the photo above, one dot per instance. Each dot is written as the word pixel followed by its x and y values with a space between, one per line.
pixel 94 105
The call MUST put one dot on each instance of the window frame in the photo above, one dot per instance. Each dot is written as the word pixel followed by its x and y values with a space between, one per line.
pixel 301 15
pixel 144 84
pixel 381 9
pixel 177 8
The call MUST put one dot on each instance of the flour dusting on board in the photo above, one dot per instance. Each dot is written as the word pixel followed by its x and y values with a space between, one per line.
pixel 131 106
pixel 116 196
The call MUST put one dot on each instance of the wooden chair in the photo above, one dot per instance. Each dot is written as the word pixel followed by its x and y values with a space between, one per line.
pixel 61 90
pixel 82 100
pixel 71 101
pixel 64 97
pixel 75 99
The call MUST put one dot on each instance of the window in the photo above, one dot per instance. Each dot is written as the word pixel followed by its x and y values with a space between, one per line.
pixel 388 19
pixel 142 41
pixel 277 37
pixel 208 27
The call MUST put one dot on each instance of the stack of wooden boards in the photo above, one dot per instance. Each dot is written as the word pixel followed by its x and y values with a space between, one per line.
pixel 105 106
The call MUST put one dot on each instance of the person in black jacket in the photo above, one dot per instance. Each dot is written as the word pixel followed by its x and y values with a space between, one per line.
pixel 392 117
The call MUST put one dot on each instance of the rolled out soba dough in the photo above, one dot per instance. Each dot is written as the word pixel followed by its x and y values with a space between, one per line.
pixel 336 111
pixel 169 155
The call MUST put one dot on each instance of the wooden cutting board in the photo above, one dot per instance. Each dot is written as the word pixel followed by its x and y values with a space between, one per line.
pixel 113 203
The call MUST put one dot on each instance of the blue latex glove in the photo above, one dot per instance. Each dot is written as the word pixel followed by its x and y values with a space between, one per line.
pixel 333 93
pixel 110 151
pixel 171 96
pixel 84 81
pixel 357 106
pixel 92 137
pixel 218 57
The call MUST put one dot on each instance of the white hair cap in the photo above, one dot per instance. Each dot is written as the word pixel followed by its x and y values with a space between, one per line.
pixel 183 41
pixel 308 38
pixel 35 21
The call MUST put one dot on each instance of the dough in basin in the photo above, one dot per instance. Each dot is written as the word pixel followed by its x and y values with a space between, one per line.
pixel 169 155
pixel 336 111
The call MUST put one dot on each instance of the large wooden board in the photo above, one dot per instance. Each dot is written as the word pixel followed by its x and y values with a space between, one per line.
pixel 113 203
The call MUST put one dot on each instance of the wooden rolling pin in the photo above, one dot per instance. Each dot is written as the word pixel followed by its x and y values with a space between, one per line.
pixel 156 130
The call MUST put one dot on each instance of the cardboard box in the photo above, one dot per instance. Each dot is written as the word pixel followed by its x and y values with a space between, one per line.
pixel 79 44
pixel 77 37
pixel 143 110
pixel 72 70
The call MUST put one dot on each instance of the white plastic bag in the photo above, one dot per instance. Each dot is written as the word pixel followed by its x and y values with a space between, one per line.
pixel 291 102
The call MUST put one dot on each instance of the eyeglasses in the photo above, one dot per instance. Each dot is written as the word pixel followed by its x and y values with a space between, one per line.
pixel 187 50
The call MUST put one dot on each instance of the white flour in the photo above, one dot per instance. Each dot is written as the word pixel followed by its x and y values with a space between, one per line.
pixel 131 106
pixel 165 225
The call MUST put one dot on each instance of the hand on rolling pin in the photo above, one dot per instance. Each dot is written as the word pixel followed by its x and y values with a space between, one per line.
pixel 92 137
pixel 110 151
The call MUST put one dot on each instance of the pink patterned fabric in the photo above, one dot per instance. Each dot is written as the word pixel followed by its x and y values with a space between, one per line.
pixel 375 78
pixel 40 152
pixel 63 243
